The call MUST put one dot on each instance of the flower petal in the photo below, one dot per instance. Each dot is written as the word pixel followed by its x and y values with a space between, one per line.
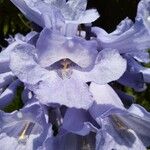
pixel 5 57
pixel 133 80
pixel 143 13
pixel 26 7
pixel 27 70
pixel 47 85
pixel 134 66
pixel 88 16
pixel 58 47
pixel 105 95
pixel 133 39
pixel 13 124
pixel 73 9
pixel 70 92
pixel 109 66
pixel 111 138
pixel 138 119
pixel 70 141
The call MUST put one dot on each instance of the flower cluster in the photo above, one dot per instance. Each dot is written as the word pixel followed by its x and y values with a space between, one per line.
pixel 68 69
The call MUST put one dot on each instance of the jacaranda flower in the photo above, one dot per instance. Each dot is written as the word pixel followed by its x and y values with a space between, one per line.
pixel 57 71
pixel 8 81
pixel 136 76
pixel 131 40
pixel 115 126
pixel 67 70
pixel 143 13
pixel 57 14
pixel 25 129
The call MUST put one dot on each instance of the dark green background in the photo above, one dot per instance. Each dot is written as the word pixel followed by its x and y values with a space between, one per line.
pixel 111 11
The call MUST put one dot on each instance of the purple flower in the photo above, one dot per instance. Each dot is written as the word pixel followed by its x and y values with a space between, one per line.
pixel 24 129
pixel 131 40
pixel 136 76
pixel 8 81
pixel 57 14
pixel 143 13
pixel 115 126
pixel 57 71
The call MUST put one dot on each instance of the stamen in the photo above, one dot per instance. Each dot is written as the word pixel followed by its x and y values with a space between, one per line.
pixel 65 63
pixel 65 71
pixel 26 131
pixel 119 123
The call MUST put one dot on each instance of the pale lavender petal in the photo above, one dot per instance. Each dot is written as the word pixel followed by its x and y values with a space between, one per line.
pixel 69 30
pixel 5 57
pixel 138 119
pixel 74 9
pixel 142 56
pixel 133 80
pixel 48 86
pixel 105 95
pixel 122 27
pixel 58 47
pixel 71 92
pixel 133 39
pixel 70 141
pixel 109 66
pixel 143 13
pixel 27 70
pixel 13 124
pixel 51 15
pixel 88 16
pixel 75 12
pixel 6 79
pixel 109 137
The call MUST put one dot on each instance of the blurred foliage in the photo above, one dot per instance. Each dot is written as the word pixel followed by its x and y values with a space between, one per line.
pixel 111 11
pixel 11 21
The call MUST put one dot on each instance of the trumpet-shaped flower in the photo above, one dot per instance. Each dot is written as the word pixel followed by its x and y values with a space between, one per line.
pixel 131 40
pixel 8 81
pixel 24 129
pixel 57 71
pixel 136 75
pixel 57 14
pixel 143 13
pixel 115 126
